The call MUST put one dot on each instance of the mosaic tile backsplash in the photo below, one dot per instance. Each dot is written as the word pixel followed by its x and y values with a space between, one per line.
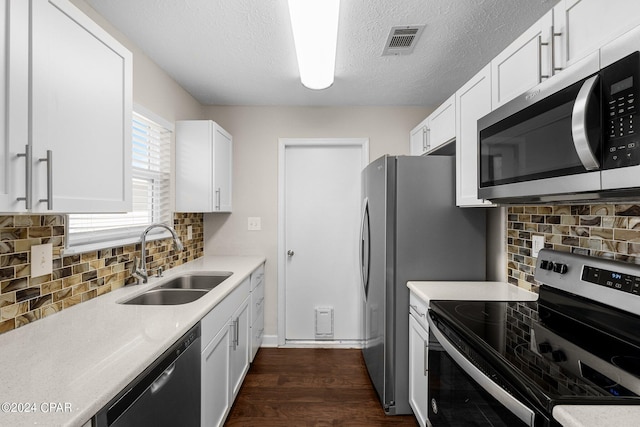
pixel 602 230
pixel 75 278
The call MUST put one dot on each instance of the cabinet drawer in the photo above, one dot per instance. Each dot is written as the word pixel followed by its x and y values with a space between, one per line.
pixel 257 303
pixel 257 277
pixel 219 315
pixel 257 333
pixel 418 309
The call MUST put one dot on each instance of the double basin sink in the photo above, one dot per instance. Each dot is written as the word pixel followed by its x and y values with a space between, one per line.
pixel 180 290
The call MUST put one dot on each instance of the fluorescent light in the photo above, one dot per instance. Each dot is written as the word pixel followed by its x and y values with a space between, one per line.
pixel 315 33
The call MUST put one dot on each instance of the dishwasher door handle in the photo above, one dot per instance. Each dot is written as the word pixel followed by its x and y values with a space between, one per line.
pixel 163 378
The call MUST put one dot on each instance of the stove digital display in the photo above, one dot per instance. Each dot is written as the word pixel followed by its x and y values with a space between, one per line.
pixel 612 279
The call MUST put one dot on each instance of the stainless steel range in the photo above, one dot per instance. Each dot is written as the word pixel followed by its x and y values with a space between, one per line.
pixel 510 363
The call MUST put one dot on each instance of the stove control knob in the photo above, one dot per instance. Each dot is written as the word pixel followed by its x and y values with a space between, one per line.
pixel 544 347
pixel 558 356
pixel 546 265
pixel 560 268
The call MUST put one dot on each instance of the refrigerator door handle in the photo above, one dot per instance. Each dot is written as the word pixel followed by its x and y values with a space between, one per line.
pixel 365 248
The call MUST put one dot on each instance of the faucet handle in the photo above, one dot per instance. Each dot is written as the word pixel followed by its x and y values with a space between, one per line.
pixel 159 272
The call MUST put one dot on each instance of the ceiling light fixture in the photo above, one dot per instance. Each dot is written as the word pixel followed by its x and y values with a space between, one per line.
pixel 315 34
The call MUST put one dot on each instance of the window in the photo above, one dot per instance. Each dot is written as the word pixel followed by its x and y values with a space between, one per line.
pixel 151 173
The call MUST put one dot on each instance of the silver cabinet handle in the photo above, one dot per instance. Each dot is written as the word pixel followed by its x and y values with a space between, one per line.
pixel 428 139
pixel 290 253
pixel 49 160
pixel 553 50
pixel 233 326
pixel 579 125
pixel 424 139
pixel 415 307
pixel 426 355
pixel 218 199
pixel 237 332
pixel 28 183
pixel 540 75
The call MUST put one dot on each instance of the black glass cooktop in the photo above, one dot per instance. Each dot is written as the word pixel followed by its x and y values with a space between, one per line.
pixel 589 356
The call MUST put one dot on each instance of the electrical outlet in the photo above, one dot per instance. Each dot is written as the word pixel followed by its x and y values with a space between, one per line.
pixel 254 223
pixel 537 244
pixel 189 232
pixel 41 259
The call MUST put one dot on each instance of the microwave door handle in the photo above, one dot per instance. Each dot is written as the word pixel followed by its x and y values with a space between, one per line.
pixel 516 407
pixel 579 125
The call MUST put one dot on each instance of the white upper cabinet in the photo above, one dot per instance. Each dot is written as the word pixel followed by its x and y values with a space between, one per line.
pixel 74 81
pixel 473 101
pixel 203 167
pixel 418 138
pixel 436 130
pixel 523 64
pixel 442 124
pixel 583 26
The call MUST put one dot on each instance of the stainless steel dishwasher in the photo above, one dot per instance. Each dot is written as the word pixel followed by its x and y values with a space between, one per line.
pixel 167 393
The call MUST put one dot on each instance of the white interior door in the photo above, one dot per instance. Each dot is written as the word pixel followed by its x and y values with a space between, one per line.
pixel 320 245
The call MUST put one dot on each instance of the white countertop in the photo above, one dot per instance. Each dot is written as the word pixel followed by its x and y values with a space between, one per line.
pixel 470 291
pixel 567 415
pixel 597 415
pixel 80 358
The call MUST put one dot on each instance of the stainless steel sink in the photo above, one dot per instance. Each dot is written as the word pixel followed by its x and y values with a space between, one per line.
pixel 180 290
pixel 167 297
pixel 205 281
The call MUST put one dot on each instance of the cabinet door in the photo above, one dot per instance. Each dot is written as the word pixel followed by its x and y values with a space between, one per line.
pixel 81 105
pixel 524 63
pixel 194 174
pixel 240 343
pixel 14 107
pixel 473 100
pixel 257 318
pixel 223 158
pixel 583 26
pixel 442 123
pixel 418 380
pixel 216 387
pixel 418 139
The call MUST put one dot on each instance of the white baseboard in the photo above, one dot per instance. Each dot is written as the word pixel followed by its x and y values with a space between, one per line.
pixel 272 341
pixel 269 341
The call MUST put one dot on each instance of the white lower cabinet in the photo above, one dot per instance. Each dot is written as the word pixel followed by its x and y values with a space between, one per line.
pixel 418 363
pixel 216 399
pixel 240 345
pixel 225 354
pixel 257 310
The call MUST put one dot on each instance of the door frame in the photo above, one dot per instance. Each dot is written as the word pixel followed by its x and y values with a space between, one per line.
pixel 283 144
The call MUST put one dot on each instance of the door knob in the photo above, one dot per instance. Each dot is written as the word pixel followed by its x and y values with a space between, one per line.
pixel 290 253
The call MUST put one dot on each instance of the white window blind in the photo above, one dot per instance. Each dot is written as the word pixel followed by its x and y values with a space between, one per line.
pixel 151 171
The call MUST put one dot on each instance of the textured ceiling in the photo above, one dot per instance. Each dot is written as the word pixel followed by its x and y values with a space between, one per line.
pixel 241 52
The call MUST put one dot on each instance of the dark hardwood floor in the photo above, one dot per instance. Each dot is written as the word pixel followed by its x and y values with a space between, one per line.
pixel 309 387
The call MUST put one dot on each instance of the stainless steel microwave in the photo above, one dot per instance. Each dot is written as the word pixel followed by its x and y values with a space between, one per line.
pixel 573 137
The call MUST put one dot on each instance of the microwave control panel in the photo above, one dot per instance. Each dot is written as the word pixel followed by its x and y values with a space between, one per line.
pixel 620 91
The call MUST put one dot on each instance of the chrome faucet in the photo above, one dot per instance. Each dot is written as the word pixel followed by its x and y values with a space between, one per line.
pixel 140 271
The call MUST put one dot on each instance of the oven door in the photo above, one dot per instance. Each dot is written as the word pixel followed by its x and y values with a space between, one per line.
pixel 545 142
pixel 460 394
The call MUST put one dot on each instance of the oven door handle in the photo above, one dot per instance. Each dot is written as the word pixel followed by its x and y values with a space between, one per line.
pixel 579 125
pixel 508 401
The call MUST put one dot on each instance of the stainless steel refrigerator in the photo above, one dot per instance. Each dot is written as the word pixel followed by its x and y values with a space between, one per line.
pixel 411 230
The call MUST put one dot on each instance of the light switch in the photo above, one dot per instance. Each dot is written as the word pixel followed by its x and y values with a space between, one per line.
pixel 254 223
pixel 41 259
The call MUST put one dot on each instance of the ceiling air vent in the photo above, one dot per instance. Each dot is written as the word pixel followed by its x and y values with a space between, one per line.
pixel 402 40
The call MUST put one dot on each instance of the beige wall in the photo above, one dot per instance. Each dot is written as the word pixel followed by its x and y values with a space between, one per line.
pixel 255 133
